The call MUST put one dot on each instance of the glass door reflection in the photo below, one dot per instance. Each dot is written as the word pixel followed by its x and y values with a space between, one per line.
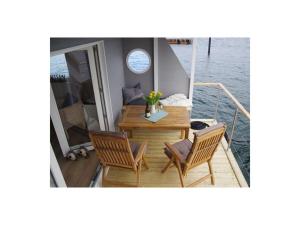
pixel 71 82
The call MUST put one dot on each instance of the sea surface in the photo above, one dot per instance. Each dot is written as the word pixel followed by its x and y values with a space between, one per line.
pixel 229 64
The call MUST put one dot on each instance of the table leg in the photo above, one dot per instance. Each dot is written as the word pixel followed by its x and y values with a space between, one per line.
pixel 129 132
pixel 187 133
pixel 182 133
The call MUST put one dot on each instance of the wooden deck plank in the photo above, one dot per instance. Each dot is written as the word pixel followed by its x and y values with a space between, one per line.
pixel 224 175
pixel 79 173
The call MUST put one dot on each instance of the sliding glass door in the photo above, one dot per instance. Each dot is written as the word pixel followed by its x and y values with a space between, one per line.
pixel 76 103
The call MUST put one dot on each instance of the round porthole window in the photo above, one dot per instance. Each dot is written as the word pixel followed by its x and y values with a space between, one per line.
pixel 138 61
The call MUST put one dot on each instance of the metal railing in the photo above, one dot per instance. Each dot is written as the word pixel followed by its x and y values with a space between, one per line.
pixel 234 100
pixel 239 108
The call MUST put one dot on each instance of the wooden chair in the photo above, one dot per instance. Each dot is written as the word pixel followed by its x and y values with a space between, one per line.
pixel 114 149
pixel 186 155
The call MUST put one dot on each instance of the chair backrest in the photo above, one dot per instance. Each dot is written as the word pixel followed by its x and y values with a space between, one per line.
pixel 205 144
pixel 113 149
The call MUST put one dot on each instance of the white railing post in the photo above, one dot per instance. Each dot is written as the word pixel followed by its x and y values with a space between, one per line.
pixel 217 104
pixel 155 63
pixel 193 69
pixel 232 129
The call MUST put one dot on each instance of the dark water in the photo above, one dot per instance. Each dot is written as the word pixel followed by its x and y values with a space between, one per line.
pixel 228 63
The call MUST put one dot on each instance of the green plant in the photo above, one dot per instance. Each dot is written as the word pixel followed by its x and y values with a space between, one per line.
pixel 153 97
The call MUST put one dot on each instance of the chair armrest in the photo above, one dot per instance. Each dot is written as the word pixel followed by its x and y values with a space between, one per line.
pixel 140 152
pixel 174 151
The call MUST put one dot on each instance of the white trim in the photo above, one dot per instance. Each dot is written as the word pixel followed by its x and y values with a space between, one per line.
pixel 58 126
pixel 57 123
pixel 105 83
pixel 87 145
pixel 98 180
pixel 56 171
pixel 74 48
pixel 193 67
pixel 96 87
pixel 155 63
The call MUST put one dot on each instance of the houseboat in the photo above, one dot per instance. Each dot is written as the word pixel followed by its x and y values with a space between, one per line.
pixel 103 135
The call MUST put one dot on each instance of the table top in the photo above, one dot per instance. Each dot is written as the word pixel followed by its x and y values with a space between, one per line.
pixel 133 117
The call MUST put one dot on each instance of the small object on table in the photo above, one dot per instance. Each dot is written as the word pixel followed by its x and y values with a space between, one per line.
pixel 147 111
pixel 157 116
pixel 160 106
pixel 148 114
pixel 153 109
pixel 152 100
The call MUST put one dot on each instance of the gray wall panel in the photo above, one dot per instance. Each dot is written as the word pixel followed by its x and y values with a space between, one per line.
pixel 114 60
pixel 146 79
pixel 172 78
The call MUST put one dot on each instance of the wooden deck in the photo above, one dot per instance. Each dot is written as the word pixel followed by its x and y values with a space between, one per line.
pixel 79 173
pixel 226 175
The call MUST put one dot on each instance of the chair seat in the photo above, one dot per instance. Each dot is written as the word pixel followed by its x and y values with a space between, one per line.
pixel 183 147
pixel 135 148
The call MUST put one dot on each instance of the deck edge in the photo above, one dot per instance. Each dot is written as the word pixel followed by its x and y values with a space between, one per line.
pixel 232 161
pixel 234 165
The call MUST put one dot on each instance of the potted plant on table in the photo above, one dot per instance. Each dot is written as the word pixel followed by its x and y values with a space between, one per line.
pixel 152 99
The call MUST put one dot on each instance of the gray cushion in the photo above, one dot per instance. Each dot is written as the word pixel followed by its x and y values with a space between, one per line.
pixel 183 148
pixel 130 94
pixel 134 148
pixel 138 101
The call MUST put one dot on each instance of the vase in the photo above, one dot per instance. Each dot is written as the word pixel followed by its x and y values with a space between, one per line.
pixel 153 109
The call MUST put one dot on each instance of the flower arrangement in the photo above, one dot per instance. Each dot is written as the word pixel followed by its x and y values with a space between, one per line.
pixel 153 97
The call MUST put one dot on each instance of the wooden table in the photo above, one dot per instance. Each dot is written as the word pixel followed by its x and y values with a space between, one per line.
pixel 177 119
